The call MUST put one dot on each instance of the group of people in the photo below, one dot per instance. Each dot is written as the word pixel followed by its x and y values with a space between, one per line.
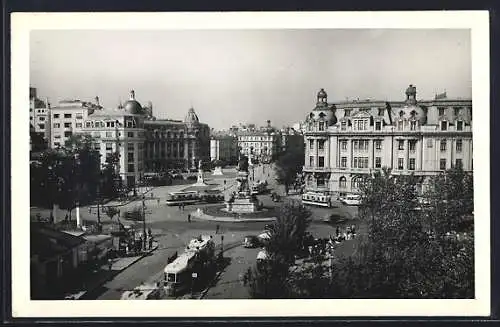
pixel 322 246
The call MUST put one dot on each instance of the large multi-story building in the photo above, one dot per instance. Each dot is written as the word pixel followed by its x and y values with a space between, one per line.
pixel 263 143
pixel 347 140
pixel 291 140
pixel 175 143
pixel 39 121
pixel 143 143
pixel 67 119
pixel 224 147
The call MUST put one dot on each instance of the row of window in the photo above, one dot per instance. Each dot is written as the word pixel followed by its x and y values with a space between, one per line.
pixel 255 138
pixel 66 125
pixel 362 145
pixel 381 111
pixel 77 116
pixel 163 134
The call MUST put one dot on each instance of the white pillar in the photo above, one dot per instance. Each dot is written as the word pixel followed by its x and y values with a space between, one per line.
pixel 55 209
pixel 78 221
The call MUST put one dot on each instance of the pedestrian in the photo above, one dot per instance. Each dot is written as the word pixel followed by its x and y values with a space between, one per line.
pixel 337 231
pixel 217 229
pixel 158 201
pixel 90 210
pixel 179 207
pixel 224 182
pixel 110 264
pixel 150 242
pixel 152 194
pixel 189 218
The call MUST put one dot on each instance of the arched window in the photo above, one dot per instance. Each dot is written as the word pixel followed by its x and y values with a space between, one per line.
pixel 342 182
pixel 355 183
pixel 401 113
pixel 413 113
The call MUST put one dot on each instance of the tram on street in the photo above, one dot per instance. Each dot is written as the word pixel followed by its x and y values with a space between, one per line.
pixel 317 199
pixel 187 197
pixel 212 196
pixel 198 259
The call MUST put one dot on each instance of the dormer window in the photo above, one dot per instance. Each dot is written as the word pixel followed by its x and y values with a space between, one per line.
pixel 413 125
pixel 444 125
pixel 361 124
pixel 460 125
pixel 321 126
pixel 441 111
pixel 413 113
pixel 380 111
pixel 456 111
pixel 378 125
pixel 401 113
pixel 347 112
pixel 343 126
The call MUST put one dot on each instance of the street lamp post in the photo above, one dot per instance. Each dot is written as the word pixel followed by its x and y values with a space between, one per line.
pixel 144 222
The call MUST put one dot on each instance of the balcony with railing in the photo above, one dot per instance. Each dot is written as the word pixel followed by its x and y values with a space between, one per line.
pixel 316 169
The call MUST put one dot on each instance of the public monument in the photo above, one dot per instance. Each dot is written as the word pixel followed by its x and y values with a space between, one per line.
pixel 201 179
pixel 242 201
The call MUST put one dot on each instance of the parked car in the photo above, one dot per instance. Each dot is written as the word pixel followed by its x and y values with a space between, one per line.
pixel 251 241
pixel 351 200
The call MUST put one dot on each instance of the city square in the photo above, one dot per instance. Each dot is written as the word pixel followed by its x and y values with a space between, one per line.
pixel 346 191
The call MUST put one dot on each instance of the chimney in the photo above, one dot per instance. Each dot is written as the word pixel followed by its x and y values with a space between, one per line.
pixel 97 100
pixel 47 103
pixel 132 95
pixel 268 123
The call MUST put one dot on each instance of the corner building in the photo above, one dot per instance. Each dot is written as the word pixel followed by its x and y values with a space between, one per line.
pixel 346 140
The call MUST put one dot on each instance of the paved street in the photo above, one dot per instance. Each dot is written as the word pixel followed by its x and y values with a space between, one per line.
pixel 172 231
pixel 229 284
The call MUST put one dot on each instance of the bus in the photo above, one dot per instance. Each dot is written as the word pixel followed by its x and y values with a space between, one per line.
pixel 177 198
pixel 317 199
pixel 199 258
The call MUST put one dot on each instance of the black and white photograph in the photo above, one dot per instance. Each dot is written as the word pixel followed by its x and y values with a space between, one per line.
pixel 235 159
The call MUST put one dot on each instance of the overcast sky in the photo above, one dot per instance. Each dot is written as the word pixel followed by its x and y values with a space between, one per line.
pixel 248 76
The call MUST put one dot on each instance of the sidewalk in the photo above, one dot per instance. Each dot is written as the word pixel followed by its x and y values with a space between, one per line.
pixel 105 274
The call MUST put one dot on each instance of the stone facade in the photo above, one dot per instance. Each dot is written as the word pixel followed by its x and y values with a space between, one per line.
pixel 346 140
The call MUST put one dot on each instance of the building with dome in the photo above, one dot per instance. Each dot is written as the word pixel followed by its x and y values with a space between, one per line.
pixel 145 144
pixel 346 140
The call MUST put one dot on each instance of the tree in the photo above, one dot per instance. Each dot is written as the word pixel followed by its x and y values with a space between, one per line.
pixel 69 175
pixel 451 197
pixel 111 181
pixel 268 278
pixel 288 231
pixel 403 256
pixel 288 166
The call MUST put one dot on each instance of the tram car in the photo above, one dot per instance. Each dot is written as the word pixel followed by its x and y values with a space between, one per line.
pixel 317 199
pixel 212 196
pixel 177 198
pixel 198 258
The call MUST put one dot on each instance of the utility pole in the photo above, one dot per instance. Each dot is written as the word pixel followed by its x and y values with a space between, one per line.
pixel 98 202
pixel 144 222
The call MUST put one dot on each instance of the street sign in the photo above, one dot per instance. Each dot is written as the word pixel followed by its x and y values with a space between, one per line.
pixel 194 275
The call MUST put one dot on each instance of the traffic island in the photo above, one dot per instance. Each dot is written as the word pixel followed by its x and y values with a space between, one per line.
pixel 217 213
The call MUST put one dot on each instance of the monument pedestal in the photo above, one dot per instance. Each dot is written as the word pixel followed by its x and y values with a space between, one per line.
pixel 243 201
pixel 218 171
